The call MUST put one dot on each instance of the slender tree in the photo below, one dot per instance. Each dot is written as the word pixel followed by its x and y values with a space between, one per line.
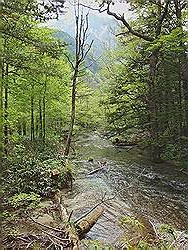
pixel 81 51
pixel 18 22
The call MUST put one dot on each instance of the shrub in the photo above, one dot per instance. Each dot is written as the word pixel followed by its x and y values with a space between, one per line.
pixel 24 200
pixel 28 171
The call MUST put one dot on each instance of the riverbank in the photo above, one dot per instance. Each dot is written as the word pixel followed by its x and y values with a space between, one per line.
pixel 134 189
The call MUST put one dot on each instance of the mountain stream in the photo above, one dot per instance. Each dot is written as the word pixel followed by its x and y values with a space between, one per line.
pixel 129 183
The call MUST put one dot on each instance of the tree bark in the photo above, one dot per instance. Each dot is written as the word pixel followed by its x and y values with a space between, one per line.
pixel 40 119
pixel 19 128
pixel 73 110
pixel 44 112
pixel 185 91
pixel 152 106
pixel 32 114
pixel 1 111
pixel 180 99
pixel 36 127
pixel 65 218
pixel 6 110
pixel 24 124
pixel 89 221
pixel 81 227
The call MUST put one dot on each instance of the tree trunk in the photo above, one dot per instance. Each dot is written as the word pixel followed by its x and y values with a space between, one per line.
pixel 65 218
pixel 184 68
pixel 36 127
pixel 185 92
pixel 19 128
pixel 44 112
pixel 81 227
pixel 180 111
pixel 6 111
pixel 32 117
pixel 40 119
pixel 2 107
pixel 73 109
pixel 24 124
pixel 89 221
pixel 153 129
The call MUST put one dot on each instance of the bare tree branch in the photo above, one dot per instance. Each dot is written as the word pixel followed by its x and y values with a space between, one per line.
pixel 87 51
pixel 69 60
pixel 100 9
pixel 121 19
pixel 127 25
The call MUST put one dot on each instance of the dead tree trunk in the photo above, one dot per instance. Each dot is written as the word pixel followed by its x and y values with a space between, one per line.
pixel 75 241
pixel 82 49
pixel 73 110
pixel 89 221
pixel 79 228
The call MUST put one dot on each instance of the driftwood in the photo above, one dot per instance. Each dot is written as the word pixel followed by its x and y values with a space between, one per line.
pixel 102 165
pixel 80 227
pixel 95 170
pixel 89 221
pixel 70 229
pixel 91 210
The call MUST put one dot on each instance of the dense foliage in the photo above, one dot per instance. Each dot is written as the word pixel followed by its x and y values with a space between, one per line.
pixel 146 81
pixel 36 100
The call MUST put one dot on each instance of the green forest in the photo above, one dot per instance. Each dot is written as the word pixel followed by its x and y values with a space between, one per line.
pixel 93 134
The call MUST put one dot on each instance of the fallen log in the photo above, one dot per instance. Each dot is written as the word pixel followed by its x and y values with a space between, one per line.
pixel 95 170
pixel 84 225
pixel 81 226
pixel 70 229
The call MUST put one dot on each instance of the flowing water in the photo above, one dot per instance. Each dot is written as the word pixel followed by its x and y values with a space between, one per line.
pixel 129 183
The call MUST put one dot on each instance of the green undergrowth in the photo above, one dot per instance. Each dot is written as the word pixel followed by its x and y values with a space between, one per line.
pixel 97 245
pixel 184 164
pixel 32 171
pixel 139 236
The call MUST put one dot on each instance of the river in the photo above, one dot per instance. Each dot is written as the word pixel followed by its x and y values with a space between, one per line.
pixel 130 182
